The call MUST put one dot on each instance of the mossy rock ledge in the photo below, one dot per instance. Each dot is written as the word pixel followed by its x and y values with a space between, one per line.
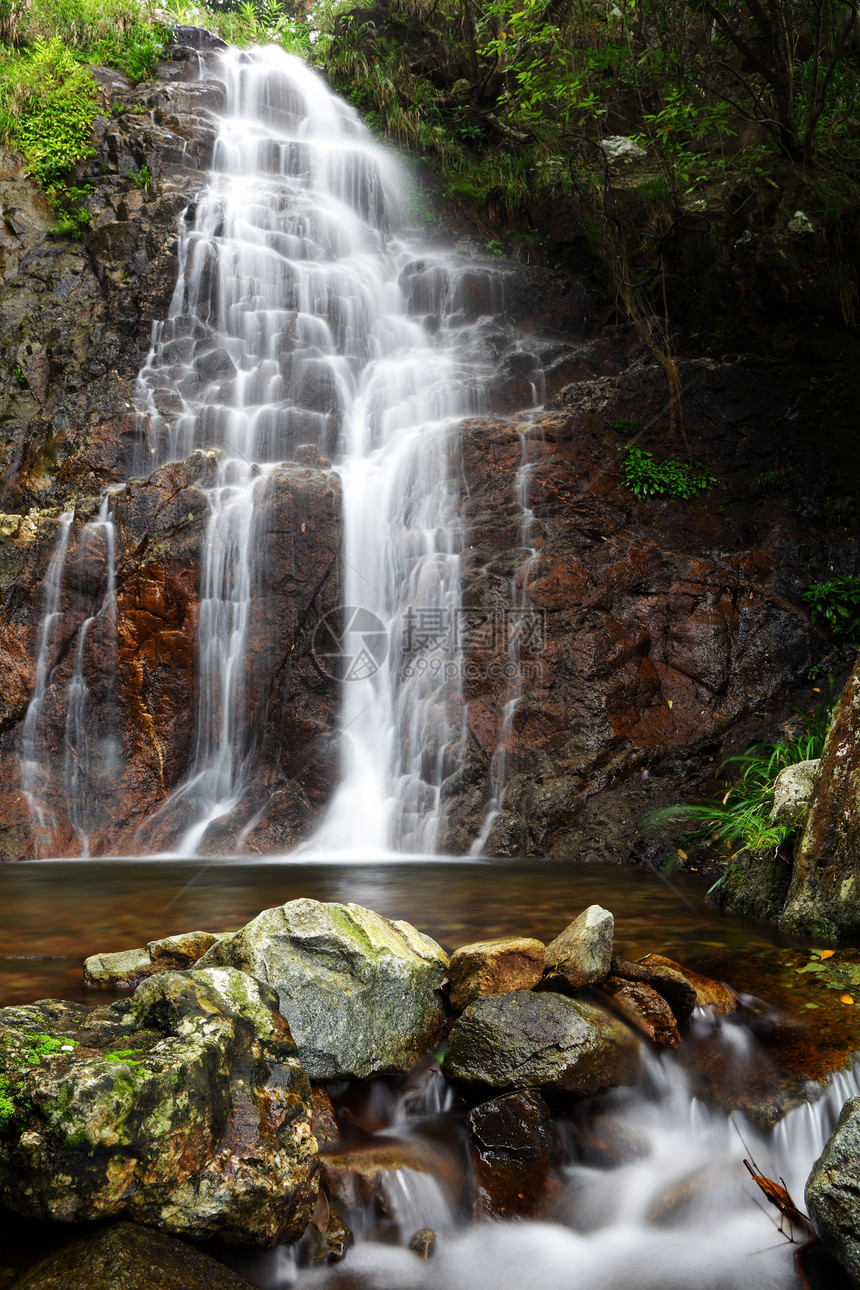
pixel 184 1107
pixel 360 992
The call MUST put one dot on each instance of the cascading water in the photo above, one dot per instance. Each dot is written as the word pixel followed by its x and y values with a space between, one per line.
pixel 303 314
pixel 654 1195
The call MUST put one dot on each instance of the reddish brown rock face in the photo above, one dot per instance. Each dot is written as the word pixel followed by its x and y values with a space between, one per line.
pixel 141 670
pixel 666 621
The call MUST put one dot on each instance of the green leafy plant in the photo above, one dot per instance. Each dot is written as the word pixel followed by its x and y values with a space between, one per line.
pixel 141 179
pixel 740 818
pixel 624 425
pixel 649 478
pixel 776 481
pixel 838 603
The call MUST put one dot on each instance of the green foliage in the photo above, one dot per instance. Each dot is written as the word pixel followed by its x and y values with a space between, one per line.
pixel 649 478
pixel 838 603
pixel 141 178
pixel 624 425
pixel 49 104
pixel 776 481
pixel 740 818
pixel 48 97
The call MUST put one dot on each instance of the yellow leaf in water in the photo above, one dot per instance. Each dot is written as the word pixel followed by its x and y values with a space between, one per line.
pixel 682 854
pixel 827 954
pixel 846 998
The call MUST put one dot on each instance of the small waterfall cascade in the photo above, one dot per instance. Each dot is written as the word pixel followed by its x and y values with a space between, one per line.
pixel 306 313
pixel 68 788
pixel 34 765
pixel 521 623
pixel 653 1194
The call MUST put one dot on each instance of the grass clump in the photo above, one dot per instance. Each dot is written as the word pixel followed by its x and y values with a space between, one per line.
pixel 649 478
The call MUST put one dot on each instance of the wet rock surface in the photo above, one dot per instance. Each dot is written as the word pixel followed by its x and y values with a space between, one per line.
pixel 643 1008
pixel 127 968
pixel 513 1147
pixel 541 1040
pixel 665 625
pixel 184 1108
pixel 833 1191
pixel 360 992
pixel 140 667
pixel 126 1257
pixel 824 898
pixel 494 967
pixel 583 952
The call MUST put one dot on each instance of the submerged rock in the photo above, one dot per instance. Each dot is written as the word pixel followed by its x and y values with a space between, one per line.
pixel 494 967
pixel 531 1040
pixel 184 1108
pixel 833 1191
pixel 360 992
pixel 127 1257
pixel 583 951
pixel 513 1147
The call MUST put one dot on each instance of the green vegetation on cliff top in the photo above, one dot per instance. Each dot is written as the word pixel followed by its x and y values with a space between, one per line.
pixel 48 97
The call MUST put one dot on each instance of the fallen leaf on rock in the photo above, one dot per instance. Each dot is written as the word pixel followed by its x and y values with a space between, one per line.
pixel 845 998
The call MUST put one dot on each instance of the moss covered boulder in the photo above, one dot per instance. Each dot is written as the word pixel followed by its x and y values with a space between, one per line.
pixel 184 1108
pixel 360 992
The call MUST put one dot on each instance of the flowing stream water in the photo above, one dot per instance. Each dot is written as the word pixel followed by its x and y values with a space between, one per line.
pixel 307 312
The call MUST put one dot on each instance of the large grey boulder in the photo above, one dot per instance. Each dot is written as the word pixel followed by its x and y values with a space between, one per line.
pixel 833 1190
pixel 359 991
pixel 583 952
pixel 184 1108
pixel 541 1040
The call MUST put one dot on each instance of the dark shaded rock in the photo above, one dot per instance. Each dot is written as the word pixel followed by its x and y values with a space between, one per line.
pixel 754 884
pixel 644 1008
pixel 184 1108
pixel 513 1147
pixel 494 967
pixel 542 1040
pixel 833 1190
pixel 359 991
pixel 824 896
pixel 127 1257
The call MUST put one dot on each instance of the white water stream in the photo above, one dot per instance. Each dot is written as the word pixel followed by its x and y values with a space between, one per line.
pixel 306 313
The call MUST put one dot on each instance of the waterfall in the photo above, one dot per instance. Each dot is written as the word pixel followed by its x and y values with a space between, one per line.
pixel 306 312
pixel 34 763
